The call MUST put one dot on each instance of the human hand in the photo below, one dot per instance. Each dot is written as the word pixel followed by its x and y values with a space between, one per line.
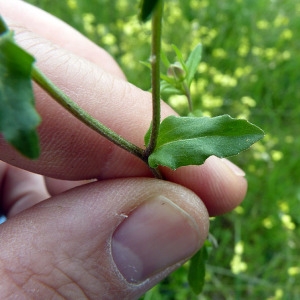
pixel 118 236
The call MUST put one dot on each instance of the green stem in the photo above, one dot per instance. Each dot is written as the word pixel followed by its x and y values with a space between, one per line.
pixel 58 95
pixel 188 96
pixel 155 69
pixel 156 173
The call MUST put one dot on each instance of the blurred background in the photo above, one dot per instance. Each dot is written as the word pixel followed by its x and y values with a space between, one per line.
pixel 250 69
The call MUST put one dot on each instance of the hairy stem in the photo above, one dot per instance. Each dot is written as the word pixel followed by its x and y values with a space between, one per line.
pixel 60 97
pixel 155 75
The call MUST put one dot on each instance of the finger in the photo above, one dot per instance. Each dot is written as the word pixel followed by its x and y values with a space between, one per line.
pixel 219 183
pixel 19 189
pixel 72 151
pixel 59 33
pixel 111 239
pixel 23 189
pixel 91 88
pixel 57 186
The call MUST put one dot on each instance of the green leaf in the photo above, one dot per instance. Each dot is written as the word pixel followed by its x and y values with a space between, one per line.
pixel 193 62
pixel 146 9
pixel 164 59
pixel 146 64
pixel 179 57
pixel 196 274
pixel 18 117
pixel 147 135
pixel 169 89
pixel 186 141
pixel 168 79
pixel 178 53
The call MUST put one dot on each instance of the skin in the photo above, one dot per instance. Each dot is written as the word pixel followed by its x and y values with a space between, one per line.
pixel 64 208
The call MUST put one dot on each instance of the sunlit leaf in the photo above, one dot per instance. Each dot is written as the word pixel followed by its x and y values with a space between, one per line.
pixel 186 141
pixel 18 117
pixel 192 63
pixel 146 9
pixel 196 274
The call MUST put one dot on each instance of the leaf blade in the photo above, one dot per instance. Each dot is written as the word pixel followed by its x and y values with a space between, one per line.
pixel 179 56
pixel 167 88
pixel 193 62
pixel 18 117
pixel 196 273
pixel 186 141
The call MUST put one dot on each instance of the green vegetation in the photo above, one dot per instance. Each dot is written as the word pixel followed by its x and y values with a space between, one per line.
pixel 249 68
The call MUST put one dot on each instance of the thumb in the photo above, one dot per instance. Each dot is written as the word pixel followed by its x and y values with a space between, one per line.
pixel 105 240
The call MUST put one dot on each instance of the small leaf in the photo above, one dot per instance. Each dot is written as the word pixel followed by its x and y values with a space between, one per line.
pixel 147 135
pixel 179 55
pixel 196 274
pixel 164 59
pixel 168 79
pixel 186 141
pixel 146 64
pixel 169 89
pixel 146 9
pixel 193 62
pixel 18 117
pixel 178 52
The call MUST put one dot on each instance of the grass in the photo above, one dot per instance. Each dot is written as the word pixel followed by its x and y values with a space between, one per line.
pixel 250 69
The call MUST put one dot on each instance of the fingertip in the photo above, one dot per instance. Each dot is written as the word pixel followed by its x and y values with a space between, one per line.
pixel 219 183
pixel 226 184
pixel 234 168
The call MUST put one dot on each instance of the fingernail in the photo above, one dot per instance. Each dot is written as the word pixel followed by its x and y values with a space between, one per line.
pixel 234 168
pixel 156 235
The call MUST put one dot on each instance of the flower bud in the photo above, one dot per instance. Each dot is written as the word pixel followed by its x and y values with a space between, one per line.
pixel 175 70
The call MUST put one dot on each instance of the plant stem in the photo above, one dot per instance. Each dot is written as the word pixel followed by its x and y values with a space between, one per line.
pixel 188 96
pixel 60 97
pixel 156 173
pixel 155 75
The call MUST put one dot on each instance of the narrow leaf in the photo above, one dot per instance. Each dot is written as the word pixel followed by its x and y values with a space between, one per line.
pixel 147 135
pixel 146 9
pixel 169 89
pixel 146 64
pixel 186 141
pixel 196 274
pixel 179 56
pixel 18 117
pixel 193 62
pixel 167 79
pixel 164 59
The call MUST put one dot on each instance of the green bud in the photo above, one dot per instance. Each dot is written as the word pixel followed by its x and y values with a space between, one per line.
pixel 175 70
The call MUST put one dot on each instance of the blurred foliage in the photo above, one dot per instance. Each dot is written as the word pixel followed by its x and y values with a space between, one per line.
pixel 250 68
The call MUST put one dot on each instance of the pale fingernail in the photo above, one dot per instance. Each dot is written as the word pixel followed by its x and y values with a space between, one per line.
pixel 234 168
pixel 155 236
